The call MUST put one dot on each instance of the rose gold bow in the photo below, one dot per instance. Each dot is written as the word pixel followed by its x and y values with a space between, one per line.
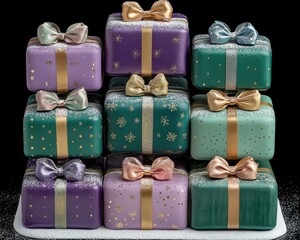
pixel 161 169
pixel 245 169
pixel 247 100
pixel 161 11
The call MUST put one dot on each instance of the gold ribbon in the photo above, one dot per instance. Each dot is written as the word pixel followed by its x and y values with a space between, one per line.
pixel 146 59
pixel 232 133
pixel 146 203
pixel 61 70
pixel 61 133
pixel 246 100
pixel 60 203
pixel 161 11
pixel 245 169
pixel 158 86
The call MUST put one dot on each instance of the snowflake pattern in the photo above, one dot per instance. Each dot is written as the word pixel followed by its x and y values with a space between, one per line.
pixel 136 54
pixel 129 137
pixel 173 68
pixel 182 115
pixel 116 65
pixel 121 122
pixel 131 108
pixel 110 147
pixel 118 38
pixel 157 53
pixel 158 135
pixel 113 136
pixel 111 106
pixel 184 135
pixel 136 120
pixel 179 124
pixel 171 137
pixel 176 40
pixel 164 120
pixel 172 106
pixel 124 146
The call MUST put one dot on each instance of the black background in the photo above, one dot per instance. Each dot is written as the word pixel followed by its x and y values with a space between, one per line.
pixel 277 22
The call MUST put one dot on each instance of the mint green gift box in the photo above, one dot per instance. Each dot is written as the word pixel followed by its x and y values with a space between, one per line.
pixel 209 131
pixel 209 198
pixel 166 131
pixel 231 66
pixel 81 136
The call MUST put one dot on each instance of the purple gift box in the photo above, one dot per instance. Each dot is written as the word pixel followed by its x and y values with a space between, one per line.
pixel 147 47
pixel 61 203
pixel 63 67
pixel 145 203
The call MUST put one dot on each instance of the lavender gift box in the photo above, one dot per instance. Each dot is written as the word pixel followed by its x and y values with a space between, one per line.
pixel 147 47
pixel 146 203
pixel 61 203
pixel 62 66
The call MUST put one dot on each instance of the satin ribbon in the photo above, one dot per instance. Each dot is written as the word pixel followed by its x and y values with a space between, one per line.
pixel 160 11
pixel 246 100
pixel 244 34
pixel 49 33
pixel 161 169
pixel 158 86
pixel 72 170
pixel 245 169
pixel 75 100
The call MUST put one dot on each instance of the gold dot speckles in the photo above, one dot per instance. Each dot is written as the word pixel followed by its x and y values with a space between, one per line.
pixel 207 74
pixel 77 216
pixel 154 225
pixel 32 148
pixel 46 84
pixel 76 197
pixel 108 206
pixel 30 205
pixel 220 65
pixel 43 148
pixel 269 69
pixel 109 201
pixel 248 67
pixel 80 147
pixel 160 215
pixel 91 135
pixel 45 197
pixel 132 214
pixel 42 138
pixel 118 209
pixel 203 84
pixel 91 215
pixel 31 137
pixel 182 190
pixel 90 127
pixel 116 65
pixel 72 141
pixel 49 62
pixel 255 69
pixel 45 216
pixel 80 123
pixel 116 219
pixel 91 145
pixel 31 215
pixel 80 135
pixel 93 76
pixel 197 61
pixel 255 83
pixel 32 70
pixel 32 77
pixel 31 127
pixel 119 225
pixel 43 126
pixel 76 206
pixel 208 58
pixel 49 132
pixel 174 226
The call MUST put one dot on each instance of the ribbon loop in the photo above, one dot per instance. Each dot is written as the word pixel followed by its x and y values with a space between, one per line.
pixel 244 34
pixel 46 170
pixel 245 169
pixel 161 11
pixel 246 100
pixel 158 86
pixel 76 100
pixel 161 169
pixel 49 33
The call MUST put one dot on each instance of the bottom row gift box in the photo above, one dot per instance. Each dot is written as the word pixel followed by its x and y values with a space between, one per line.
pixel 151 192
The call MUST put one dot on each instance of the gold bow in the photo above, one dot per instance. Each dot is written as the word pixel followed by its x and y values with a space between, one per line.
pixel 76 100
pixel 161 11
pixel 247 100
pixel 162 169
pixel 245 169
pixel 49 33
pixel 158 86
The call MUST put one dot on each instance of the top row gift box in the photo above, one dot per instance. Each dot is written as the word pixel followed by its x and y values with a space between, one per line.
pixel 148 43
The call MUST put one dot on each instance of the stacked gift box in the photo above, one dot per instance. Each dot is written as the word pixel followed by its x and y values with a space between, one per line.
pixel 149 126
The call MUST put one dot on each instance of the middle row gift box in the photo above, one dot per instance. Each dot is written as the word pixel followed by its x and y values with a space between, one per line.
pixel 63 127
pixel 147 117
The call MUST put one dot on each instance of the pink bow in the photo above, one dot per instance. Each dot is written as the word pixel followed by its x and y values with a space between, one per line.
pixel 245 169
pixel 161 169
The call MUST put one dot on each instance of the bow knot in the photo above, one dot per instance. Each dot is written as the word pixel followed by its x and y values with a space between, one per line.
pixel 246 100
pixel 49 33
pixel 46 170
pixel 244 34
pixel 76 100
pixel 245 169
pixel 162 169
pixel 158 86
pixel 161 11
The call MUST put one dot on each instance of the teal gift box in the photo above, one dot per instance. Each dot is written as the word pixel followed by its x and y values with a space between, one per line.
pixel 230 65
pixel 230 202
pixel 232 133
pixel 147 124
pixel 63 133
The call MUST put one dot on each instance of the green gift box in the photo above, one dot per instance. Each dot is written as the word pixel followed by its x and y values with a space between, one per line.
pixel 147 124
pixel 232 133
pixel 231 66
pixel 62 133
pixel 232 203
